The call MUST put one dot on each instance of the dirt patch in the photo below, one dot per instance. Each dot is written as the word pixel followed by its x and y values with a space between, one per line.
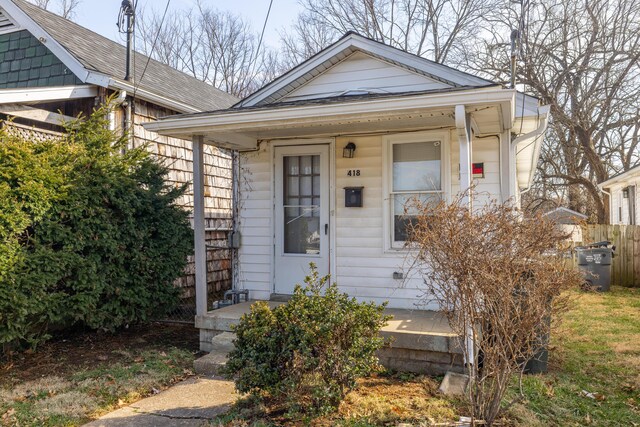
pixel 65 354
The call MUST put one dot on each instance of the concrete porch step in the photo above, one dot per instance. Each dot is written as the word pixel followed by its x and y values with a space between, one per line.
pixel 221 346
pixel 420 341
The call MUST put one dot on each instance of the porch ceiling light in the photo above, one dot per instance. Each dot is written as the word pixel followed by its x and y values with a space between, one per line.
pixel 349 150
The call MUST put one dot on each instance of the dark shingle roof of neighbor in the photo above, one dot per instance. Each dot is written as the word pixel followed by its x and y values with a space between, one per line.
pixel 98 53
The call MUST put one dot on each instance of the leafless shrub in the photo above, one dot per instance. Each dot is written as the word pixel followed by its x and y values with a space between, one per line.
pixel 499 277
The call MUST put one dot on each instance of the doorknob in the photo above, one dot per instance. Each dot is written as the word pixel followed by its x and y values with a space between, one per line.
pixel 326 229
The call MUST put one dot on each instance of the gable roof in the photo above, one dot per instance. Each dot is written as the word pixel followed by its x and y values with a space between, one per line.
pixel 98 60
pixel 350 43
pixel 564 215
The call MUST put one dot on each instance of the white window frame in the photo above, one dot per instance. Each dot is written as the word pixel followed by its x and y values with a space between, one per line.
pixel 444 137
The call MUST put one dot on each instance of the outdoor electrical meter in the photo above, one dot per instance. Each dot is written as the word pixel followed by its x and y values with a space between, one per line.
pixel 353 197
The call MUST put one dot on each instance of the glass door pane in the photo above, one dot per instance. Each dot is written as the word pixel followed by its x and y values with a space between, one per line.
pixel 301 203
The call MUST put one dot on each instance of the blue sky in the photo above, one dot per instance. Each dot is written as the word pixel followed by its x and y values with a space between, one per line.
pixel 101 15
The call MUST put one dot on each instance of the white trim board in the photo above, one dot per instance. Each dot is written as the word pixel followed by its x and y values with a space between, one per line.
pixel 7 23
pixel 36 114
pixel 45 94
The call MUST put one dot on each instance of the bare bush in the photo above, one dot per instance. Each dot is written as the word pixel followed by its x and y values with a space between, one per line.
pixel 499 277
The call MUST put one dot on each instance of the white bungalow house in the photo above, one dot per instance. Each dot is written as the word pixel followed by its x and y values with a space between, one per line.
pixel 623 200
pixel 331 150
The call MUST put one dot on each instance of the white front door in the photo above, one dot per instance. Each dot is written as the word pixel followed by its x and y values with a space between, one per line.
pixel 301 213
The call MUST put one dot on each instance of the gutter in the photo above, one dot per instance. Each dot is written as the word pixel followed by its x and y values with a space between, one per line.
pixel 106 81
pixel 535 135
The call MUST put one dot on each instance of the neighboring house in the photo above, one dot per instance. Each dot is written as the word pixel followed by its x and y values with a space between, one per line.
pixel 332 149
pixel 623 197
pixel 565 216
pixel 52 69
pixel 568 220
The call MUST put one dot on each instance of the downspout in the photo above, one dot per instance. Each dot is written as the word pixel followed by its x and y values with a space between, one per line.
pixel 128 130
pixel 120 100
pixel 234 240
pixel 125 103
pixel 534 134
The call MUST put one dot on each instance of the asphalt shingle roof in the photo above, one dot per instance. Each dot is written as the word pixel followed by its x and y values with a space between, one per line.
pixel 100 54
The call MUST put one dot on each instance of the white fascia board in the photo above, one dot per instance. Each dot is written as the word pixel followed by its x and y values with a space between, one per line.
pixel 620 178
pixel 296 73
pixel 45 94
pixel 438 70
pixel 150 96
pixel 45 38
pixel 245 120
pixel 366 45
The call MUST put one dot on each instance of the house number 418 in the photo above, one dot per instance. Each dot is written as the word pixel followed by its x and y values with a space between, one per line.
pixel 353 172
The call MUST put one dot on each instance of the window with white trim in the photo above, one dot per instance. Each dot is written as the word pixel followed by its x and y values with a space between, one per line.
pixel 416 170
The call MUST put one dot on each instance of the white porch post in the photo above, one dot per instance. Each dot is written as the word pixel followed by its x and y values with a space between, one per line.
pixel 198 225
pixel 507 167
pixel 464 140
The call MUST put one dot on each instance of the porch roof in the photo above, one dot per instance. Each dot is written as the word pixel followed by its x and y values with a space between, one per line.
pixel 491 107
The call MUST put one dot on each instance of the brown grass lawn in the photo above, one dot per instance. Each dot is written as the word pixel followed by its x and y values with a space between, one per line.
pixel 73 379
pixel 594 378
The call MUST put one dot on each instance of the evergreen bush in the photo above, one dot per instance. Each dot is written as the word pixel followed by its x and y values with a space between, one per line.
pixel 89 233
pixel 307 353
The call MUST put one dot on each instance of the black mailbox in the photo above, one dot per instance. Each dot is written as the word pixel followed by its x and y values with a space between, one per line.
pixel 353 197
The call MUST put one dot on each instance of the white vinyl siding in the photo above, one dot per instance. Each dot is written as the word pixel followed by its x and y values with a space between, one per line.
pixel 363 266
pixel 255 224
pixel 361 72
pixel 483 150
pixel 620 205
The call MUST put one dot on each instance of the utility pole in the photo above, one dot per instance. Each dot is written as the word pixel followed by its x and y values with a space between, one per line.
pixel 125 25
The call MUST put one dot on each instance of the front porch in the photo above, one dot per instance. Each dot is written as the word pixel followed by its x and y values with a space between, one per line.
pixel 420 341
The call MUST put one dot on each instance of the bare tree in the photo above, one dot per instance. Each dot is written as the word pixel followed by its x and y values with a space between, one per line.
pixel 216 47
pixel 65 8
pixel 582 58
pixel 435 29
pixel 500 278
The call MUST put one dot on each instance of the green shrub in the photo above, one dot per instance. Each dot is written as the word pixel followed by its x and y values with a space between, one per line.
pixel 89 233
pixel 308 352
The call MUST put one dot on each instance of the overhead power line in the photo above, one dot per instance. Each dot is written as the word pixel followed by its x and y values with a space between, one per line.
pixel 257 52
pixel 153 46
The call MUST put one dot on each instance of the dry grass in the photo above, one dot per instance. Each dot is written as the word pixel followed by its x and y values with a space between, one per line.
pixel 75 379
pixel 597 351
pixel 385 400
pixel 378 401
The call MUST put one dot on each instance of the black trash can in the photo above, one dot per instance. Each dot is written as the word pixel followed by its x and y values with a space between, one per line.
pixel 539 363
pixel 594 261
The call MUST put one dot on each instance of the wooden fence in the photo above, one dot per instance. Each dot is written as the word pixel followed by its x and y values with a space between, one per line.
pixel 625 269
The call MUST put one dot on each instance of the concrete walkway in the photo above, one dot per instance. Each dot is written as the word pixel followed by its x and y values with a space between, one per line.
pixel 190 403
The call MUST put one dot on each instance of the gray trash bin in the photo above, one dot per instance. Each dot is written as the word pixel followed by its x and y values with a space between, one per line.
pixel 595 262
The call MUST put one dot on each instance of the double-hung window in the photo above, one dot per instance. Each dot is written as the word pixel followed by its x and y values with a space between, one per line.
pixel 416 169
